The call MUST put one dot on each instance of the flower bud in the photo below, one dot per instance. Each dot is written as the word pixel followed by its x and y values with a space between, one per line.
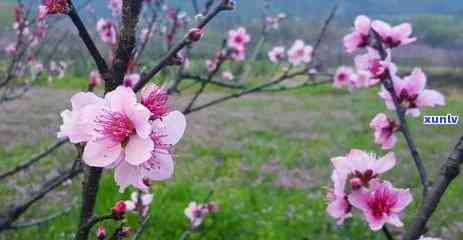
pixel 124 232
pixel 213 207
pixel 101 232
pixel 195 34
pixel 118 210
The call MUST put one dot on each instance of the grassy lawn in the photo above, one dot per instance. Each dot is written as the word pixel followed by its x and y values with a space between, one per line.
pixel 270 158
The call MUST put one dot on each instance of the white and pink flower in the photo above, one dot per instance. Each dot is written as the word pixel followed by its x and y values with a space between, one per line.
pixel 227 76
pixel 381 203
pixel 300 53
pixel 412 94
pixel 360 36
pixel 116 7
pixel 277 54
pixel 384 130
pixel 362 167
pixel 343 76
pixel 373 63
pixel 393 36
pixel 131 79
pixel 95 78
pixel 139 203
pixel 238 38
pixel 107 31
pixel 338 206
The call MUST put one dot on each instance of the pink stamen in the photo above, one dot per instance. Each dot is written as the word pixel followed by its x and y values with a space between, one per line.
pixel 115 125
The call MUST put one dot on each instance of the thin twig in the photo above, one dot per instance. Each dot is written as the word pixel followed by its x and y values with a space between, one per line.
pixel 146 76
pixel 42 221
pixel 89 43
pixel 387 233
pixel 34 159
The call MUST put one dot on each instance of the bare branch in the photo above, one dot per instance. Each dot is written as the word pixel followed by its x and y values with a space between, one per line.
pixel 89 43
pixel 449 171
pixel 33 159
pixel 146 76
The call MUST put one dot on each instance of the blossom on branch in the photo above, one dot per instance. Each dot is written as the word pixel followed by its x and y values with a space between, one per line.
pixel 362 166
pixel 393 36
pixel 227 76
pixel 107 31
pixel 196 212
pixel 384 130
pixel 238 38
pixel 412 94
pixel 116 7
pixel 277 54
pixel 343 76
pixel 381 203
pixel 338 206
pixel 300 53
pixel 360 36
pixel 139 203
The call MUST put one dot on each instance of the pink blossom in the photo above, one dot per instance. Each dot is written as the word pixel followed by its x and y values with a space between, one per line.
pixel 107 31
pixel 360 36
pixel 95 78
pixel 211 65
pixel 101 232
pixel 116 7
pixel 412 94
pixel 362 79
pixel 39 68
pixel 139 203
pixel 300 53
pixel 227 76
pixel 58 68
pixel 131 79
pixel 343 76
pixel 372 62
pixel 196 213
pixel 49 7
pixel 362 165
pixel 165 133
pixel 381 204
pixel 121 131
pixel 384 131
pixel 277 54
pixel 10 49
pixel 77 123
pixel 237 38
pixel 238 54
pixel 338 206
pixel 195 34
pixel 393 36
pixel 155 99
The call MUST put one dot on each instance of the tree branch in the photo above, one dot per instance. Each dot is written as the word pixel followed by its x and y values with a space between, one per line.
pixel 33 159
pixel 87 39
pixel 146 76
pixel 449 171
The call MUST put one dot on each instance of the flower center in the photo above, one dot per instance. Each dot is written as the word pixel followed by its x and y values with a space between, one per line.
pixel 365 177
pixel 239 39
pixel 407 100
pixel 381 201
pixel 115 125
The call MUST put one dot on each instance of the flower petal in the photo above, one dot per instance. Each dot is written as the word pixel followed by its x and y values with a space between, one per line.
pixel 138 150
pixel 126 175
pixel 175 125
pixel 101 152
pixel 139 115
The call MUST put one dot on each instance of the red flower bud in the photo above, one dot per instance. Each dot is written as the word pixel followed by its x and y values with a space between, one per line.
pixel 101 232
pixel 124 232
pixel 118 210
pixel 195 34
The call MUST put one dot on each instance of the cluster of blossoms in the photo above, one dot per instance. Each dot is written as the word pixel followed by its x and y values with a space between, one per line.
pixel 372 69
pixel 135 139
pixel 377 199
pixel 196 212
pixel 299 53
pixel 26 39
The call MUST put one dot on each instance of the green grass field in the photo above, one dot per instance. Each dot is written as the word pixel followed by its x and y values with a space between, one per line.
pixel 270 155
